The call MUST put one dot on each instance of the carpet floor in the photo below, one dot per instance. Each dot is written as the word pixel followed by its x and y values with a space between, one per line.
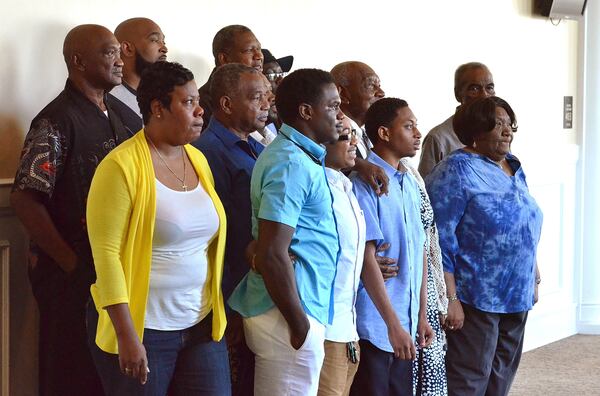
pixel 566 367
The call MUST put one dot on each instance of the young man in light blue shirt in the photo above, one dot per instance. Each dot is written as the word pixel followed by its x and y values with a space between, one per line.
pixel 286 304
pixel 393 218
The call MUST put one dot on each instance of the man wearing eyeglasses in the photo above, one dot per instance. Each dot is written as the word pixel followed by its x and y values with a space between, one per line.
pixel 231 44
pixel 471 81
pixel 276 68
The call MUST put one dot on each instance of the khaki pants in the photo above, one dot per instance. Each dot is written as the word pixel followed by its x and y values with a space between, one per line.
pixel 338 371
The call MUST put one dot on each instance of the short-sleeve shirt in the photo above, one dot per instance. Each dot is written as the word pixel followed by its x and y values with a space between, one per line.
pixel 64 145
pixel 489 228
pixel 289 187
pixel 351 231
pixel 231 161
pixel 437 144
pixel 394 218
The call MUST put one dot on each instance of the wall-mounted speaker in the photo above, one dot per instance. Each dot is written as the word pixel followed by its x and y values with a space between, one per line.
pixel 569 9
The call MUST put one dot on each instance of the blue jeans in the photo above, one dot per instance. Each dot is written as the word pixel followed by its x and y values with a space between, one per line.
pixel 181 362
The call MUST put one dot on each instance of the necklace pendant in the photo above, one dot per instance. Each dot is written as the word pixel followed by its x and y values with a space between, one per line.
pixel 184 187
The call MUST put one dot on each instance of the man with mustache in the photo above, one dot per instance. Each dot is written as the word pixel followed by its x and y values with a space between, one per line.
pixel 65 143
pixel 241 97
pixel 231 44
pixel 142 44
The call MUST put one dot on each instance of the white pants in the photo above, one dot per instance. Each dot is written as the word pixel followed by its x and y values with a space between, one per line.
pixel 280 369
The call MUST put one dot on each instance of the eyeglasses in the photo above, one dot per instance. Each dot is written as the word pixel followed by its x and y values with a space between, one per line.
pixel 275 76
pixel 351 136
pixel 501 125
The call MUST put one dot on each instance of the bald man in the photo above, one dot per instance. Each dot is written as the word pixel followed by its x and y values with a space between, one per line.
pixel 142 44
pixel 65 143
pixel 359 88
pixel 231 44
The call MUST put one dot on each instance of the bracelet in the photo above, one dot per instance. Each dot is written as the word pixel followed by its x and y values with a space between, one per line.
pixel 538 281
pixel 452 297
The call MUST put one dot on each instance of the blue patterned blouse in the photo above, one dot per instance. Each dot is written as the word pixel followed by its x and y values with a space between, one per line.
pixel 489 228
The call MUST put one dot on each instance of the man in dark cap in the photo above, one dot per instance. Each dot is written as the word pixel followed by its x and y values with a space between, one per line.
pixel 65 143
pixel 275 69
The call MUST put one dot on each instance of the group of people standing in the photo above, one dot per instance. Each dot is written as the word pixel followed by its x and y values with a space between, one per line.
pixel 265 234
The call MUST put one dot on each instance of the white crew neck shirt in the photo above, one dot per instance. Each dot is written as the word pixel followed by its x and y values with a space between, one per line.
pixel 179 294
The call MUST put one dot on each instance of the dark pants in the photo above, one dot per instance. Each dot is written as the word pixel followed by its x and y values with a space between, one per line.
pixel 182 362
pixel 484 355
pixel 381 374
pixel 65 364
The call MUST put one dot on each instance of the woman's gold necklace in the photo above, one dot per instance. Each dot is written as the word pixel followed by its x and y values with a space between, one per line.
pixel 182 181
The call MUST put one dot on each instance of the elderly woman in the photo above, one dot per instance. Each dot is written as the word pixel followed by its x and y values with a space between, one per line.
pixel 489 227
pixel 157 231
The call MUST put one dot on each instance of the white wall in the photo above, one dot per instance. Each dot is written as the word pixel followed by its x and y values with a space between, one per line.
pixel 589 248
pixel 414 46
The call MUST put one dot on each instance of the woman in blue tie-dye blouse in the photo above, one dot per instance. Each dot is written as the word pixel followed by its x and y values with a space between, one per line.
pixel 489 227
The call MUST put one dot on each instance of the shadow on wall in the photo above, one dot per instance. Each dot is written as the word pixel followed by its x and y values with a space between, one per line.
pixel 200 66
pixel 29 82
pixel 11 143
pixel 27 87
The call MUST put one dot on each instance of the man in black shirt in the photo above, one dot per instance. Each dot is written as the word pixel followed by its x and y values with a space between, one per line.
pixel 142 44
pixel 65 143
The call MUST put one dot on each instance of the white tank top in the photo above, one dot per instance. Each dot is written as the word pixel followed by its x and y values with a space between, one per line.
pixel 180 278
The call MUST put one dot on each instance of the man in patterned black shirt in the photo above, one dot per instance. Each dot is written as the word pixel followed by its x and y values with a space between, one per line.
pixel 65 143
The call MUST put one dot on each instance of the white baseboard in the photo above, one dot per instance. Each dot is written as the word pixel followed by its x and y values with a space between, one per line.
pixel 548 323
pixel 589 319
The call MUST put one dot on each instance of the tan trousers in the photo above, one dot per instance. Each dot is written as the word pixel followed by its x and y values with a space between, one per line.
pixel 338 371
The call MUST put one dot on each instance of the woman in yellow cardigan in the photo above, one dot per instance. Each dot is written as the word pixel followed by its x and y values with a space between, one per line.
pixel 157 230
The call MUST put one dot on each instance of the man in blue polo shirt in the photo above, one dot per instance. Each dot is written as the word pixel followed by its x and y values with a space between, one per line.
pixel 241 99
pixel 286 304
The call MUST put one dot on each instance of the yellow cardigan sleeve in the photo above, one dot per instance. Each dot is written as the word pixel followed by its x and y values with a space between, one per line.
pixel 109 209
